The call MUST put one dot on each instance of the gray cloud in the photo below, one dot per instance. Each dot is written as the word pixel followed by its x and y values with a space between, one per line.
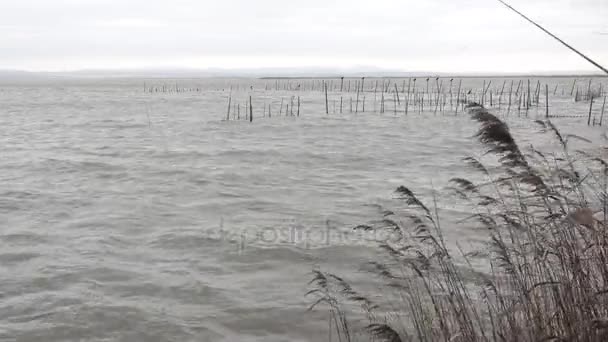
pixel 442 35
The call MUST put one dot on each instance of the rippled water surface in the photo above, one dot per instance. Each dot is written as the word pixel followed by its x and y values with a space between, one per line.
pixel 134 216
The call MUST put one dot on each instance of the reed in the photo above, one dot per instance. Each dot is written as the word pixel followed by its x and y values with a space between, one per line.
pixel 547 252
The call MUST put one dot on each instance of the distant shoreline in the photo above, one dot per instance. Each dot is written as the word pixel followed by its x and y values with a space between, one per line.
pixel 435 76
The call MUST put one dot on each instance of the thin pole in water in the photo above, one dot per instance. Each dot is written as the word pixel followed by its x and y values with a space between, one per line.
pixel 547 100
pixel 229 103
pixel 326 103
pixel 602 115
pixel 250 110
pixel 458 96
pixel 590 110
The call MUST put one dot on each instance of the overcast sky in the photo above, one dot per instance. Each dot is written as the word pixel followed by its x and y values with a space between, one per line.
pixel 420 35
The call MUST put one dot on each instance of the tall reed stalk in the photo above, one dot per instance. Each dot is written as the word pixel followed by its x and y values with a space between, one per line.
pixel 546 277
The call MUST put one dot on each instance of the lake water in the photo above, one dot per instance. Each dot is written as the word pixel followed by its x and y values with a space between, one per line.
pixel 130 215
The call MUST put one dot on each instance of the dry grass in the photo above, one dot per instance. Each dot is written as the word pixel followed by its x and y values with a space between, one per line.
pixel 548 255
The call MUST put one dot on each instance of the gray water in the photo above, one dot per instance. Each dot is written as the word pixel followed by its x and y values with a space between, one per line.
pixel 134 216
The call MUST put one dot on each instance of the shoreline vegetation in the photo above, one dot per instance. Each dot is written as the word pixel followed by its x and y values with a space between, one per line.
pixel 547 254
pixel 545 215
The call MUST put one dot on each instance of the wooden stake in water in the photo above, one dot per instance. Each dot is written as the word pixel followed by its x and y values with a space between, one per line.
pixel 357 102
pixel 298 106
pixel 439 91
pixel 510 96
pixel 326 102
pixel 573 84
pixel 590 110
pixel 229 103
pixel 602 115
pixel 250 110
pixel 547 100
pixel 528 100
pixel 397 94
pixel 485 91
pixel 519 105
pixel 395 101
pixel 458 95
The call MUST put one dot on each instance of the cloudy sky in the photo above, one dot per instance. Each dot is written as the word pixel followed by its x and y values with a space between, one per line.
pixel 409 35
